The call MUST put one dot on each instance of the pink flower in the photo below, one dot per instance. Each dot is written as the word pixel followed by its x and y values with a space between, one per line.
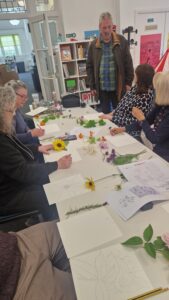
pixel 103 145
pixel 165 238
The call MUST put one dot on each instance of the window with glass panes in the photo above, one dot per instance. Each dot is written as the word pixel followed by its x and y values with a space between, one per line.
pixel 10 45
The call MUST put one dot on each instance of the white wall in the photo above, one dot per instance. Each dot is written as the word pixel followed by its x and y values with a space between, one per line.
pixel 128 8
pixel 80 15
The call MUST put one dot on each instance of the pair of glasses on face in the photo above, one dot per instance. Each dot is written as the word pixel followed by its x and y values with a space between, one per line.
pixel 22 96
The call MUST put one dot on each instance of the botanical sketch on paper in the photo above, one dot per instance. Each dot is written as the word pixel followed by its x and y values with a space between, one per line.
pixel 109 273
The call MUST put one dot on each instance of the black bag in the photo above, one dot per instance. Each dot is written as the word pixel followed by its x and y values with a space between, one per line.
pixel 70 100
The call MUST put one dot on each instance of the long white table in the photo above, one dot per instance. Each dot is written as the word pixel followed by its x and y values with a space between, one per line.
pixel 109 270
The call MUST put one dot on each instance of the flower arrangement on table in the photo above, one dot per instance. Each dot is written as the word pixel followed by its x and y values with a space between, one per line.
pixel 59 145
pixel 159 245
pixel 54 117
pixel 90 123
pixel 112 157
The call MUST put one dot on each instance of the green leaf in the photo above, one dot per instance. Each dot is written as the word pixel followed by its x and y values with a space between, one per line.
pixel 150 249
pixel 165 253
pixel 101 122
pixel 148 233
pixel 159 243
pixel 133 241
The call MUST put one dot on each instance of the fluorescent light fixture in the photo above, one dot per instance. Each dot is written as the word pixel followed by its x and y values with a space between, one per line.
pixel 14 22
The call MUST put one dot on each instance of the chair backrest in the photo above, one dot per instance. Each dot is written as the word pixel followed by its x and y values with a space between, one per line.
pixel 71 100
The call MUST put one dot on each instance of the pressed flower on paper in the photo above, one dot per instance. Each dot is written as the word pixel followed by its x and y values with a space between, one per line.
pixel 59 145
pixel 89 184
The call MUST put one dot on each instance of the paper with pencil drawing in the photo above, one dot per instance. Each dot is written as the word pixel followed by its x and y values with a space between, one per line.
pixel 153 171
pixel 132 197
pixel 65 188
pixel 87 231
pixel 104 274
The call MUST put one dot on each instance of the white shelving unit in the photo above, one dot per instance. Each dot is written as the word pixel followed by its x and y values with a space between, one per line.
pixel 72 57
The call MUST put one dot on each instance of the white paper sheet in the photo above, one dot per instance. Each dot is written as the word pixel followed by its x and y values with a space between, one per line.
pixel 85 131
pixel 120 140
pixel 55 155
pixel 131 149
pixel 162 296
pixel 153 171
pixel 36 111
pixel 112 273
pixel 77 202
pixel 88 230
pixel 132 197
pixel 93 116
pixel 65 188
pixel 51 130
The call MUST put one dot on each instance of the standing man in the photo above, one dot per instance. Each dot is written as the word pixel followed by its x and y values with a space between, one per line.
pixel 109 65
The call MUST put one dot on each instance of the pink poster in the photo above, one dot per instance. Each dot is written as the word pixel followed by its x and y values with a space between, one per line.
pixel 150 49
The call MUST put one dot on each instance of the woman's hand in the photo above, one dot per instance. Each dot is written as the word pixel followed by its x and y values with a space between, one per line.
pixel 114 131
pixel 37 132
pixel 106 116
pixel 64 162
pixel 45 148
pixel 138 114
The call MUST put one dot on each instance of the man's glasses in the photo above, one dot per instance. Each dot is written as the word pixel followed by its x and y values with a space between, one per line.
pixel 22 96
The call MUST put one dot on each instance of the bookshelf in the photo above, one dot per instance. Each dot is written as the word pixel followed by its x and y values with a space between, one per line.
pixel 72 57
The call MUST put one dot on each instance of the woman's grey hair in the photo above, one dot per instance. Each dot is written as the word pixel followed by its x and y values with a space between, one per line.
pixel 7 103
pixel 16 84
pixel 105 15
pixel 161 85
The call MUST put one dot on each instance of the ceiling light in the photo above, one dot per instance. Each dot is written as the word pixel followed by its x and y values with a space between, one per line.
pixel 21 2
pixel 14 22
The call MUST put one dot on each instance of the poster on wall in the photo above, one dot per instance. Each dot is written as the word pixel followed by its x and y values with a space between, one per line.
pixel 150 46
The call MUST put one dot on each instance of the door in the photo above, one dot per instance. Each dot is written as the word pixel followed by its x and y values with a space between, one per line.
pixel 45 36
pixel 150 37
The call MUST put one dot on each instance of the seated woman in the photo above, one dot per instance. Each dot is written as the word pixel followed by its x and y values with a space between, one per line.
pixel 156 124
pixel 21 178
pixel 23 133
pixel 34 265
pixel 141 95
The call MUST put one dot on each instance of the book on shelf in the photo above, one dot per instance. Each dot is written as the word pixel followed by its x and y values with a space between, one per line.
pixel 82 83
pixel 82 68
pixel 71 85
pixel 65 70
pixel 65 51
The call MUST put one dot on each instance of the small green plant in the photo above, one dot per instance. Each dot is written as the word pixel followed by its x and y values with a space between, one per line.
pixel 159 245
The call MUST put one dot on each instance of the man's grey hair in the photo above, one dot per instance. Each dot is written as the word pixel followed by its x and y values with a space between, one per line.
pixel 16 84
pixel 105 15
pixel 7 103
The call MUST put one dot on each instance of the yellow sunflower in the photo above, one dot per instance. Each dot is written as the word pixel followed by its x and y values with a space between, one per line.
pixel 89 184
pixel 59 145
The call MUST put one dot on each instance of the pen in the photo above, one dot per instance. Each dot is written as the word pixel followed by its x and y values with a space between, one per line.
pixel 149 294
pixel 39 126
